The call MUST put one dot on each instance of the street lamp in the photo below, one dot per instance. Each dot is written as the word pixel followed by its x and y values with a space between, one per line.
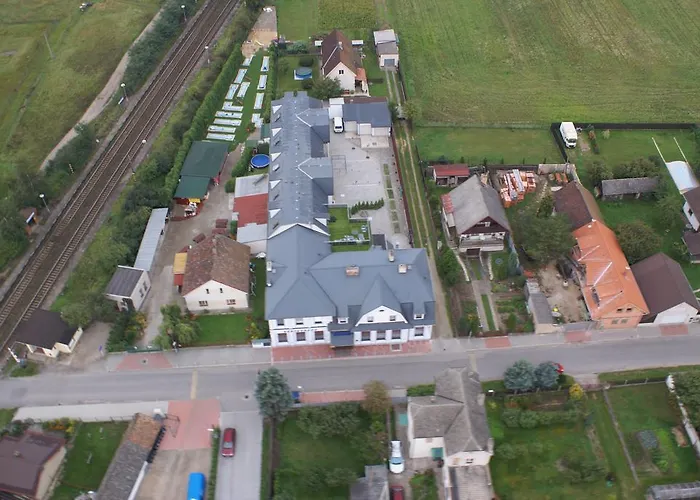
pixel 206 49
pixel 43 198
pixel 123 86
pixel 184 13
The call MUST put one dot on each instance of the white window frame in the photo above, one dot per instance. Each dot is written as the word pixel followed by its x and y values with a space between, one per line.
pixel 342 321
pixel 419 316
pixel 230 302
pixel 279 338
pixel 203 303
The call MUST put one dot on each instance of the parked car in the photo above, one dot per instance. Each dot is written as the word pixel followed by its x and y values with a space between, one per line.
pixel 397 493
pixel 560 368
pixel 338 125
pixel 228 442
pixel 196 486
pixel 396 464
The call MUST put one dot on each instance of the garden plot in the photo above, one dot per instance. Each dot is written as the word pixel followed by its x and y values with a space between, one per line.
pixel 240 76
pixel 243 90
pixel 221 137
pixel 262 83
pixel 230 106
pixel 226 121
pixel 228 114
pixel 219 128
pixel 259 100
pixel 231 92
pixel 265 64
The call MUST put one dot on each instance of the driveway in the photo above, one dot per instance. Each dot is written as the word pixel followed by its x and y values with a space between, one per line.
pixel 238 477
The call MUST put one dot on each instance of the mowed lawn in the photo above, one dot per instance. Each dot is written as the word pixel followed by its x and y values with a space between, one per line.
pixel 505 61
pixel 511 146
pixel 42 98
pixel 298 20
pixel 88 458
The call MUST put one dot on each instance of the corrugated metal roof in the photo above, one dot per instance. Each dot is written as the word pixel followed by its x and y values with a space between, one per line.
pixel 192 187
pixel 205 159
pixel 124 281
pixel 151 238
pixel 180 263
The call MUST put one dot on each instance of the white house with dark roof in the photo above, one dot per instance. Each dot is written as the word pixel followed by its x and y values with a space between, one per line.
pixel 367 116
pixel 128 288
pixel 314 296
pixel 386 46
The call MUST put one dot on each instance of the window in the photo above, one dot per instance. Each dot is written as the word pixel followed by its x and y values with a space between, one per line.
pixel 396 335
pixel 366 336
pixel 381 335
pixel 370 319
pixel 299 321
pixel 614 322
pixel 221 290
pixel 487 224
pixel 301 336
pixel 282 338
pixel 230 302
pixel 341 71
pixel 381 310
pixel 392 318
pixel 619 310
pixel 207 291
pixel 342 321
pixel 690 211
pixel 145 286
pixel 141 293
pixel 623 321
pixel 420 331
pixel 318 335
pixel 418 316
pixel 318 321
pixel 203 303
pixel 629 309
pixel 468 461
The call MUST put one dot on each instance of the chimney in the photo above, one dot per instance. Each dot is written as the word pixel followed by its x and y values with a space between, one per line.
pixel 392 256
pixel 352 271
pixel 340 45
pixel 403 268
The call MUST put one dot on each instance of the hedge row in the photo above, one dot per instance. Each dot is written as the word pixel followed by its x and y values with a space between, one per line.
pixel 147 52
pixel 152 186
pixel 528 419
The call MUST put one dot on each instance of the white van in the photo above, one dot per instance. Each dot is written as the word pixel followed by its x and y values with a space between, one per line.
pixel 338 125
pixel 568 134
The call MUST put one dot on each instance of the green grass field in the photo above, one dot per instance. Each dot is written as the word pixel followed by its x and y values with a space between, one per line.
pixel 300 19
pixel 42 98
pixel 94 441
pixel 285 79
pixel 504 61
pixel 497 145
pixel 6 416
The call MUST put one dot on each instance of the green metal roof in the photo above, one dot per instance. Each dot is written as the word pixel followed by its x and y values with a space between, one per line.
pixel 192 187
pixel 205 159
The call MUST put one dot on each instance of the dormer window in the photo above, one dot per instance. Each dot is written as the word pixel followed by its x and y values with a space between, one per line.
pixel 418 316
pixel 342 321
pixel 370 319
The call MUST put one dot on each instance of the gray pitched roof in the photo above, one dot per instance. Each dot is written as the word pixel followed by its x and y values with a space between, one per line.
pixel 641 185
pixel 44 329
pixel 151 237
pixel 538 303
pixel 387 48
pixel 124 281
pixel 372 486
pixel 304 279
pixel 663 283
pixel 471 202
pixel 376 113
pixel 456 413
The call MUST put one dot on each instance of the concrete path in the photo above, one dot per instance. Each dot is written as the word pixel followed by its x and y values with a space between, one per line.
pixel 91 412
pixel 238 477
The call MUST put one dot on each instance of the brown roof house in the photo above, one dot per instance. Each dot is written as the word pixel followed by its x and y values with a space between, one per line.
pixel 473 217
pixel 136 451
pixel 339 61
pixel 29 464
pixel 46 333
pixel 217 276
pixel 577 203
pixel 666 290
pixel 452 425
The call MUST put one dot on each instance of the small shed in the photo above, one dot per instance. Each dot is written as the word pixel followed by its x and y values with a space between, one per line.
pixel 539 307
pixel 128 288
pixel 682 175
pixel 450 175
pixel 151 239
pixel 386 46
pixel 179 266
pixel 46 333
pixel 616 189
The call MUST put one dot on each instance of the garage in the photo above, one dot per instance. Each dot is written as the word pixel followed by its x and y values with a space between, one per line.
pixel 367 116
pixel 364 129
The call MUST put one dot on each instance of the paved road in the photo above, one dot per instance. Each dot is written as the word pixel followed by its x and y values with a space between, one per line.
pixel 232 385
pixel 238 477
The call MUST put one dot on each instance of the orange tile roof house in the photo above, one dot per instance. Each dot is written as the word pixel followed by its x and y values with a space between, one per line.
pixel 611 292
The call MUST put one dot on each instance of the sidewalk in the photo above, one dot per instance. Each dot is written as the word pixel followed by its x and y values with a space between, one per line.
pixel 103 412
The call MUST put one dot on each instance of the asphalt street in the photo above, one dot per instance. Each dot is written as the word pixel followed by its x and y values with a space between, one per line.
pixel 232 385
pixel 238 477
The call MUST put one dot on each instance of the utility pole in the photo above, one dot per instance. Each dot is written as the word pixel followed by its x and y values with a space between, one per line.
pixel 48 45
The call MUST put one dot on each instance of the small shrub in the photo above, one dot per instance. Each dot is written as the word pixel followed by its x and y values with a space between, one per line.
pixel 230 185
pixel 507 452
pixel 528 419
pixel 307 84
pixel 511 417
pixel 306 61
pixel 576 392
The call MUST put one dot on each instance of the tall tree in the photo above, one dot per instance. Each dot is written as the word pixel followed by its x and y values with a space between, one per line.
pixel 520 376
pixel 599 172
pixel 273 394
pixel 377 400
pixel 543 239
pixel 546 375
pixel 325 88
pixel 638 240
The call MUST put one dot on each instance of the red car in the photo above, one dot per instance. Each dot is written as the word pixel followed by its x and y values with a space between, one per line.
pixel 228 442
pixel 397 493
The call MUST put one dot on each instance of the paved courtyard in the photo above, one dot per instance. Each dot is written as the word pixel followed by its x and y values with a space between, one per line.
pixel 368 175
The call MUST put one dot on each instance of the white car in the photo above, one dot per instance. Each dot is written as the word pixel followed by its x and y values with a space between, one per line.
pixel 396 464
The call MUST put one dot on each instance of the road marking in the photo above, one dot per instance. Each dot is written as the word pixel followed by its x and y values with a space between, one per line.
pixel 193 389
pixel 472 361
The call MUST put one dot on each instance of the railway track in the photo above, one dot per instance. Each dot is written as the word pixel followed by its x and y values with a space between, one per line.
pixel 68 232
